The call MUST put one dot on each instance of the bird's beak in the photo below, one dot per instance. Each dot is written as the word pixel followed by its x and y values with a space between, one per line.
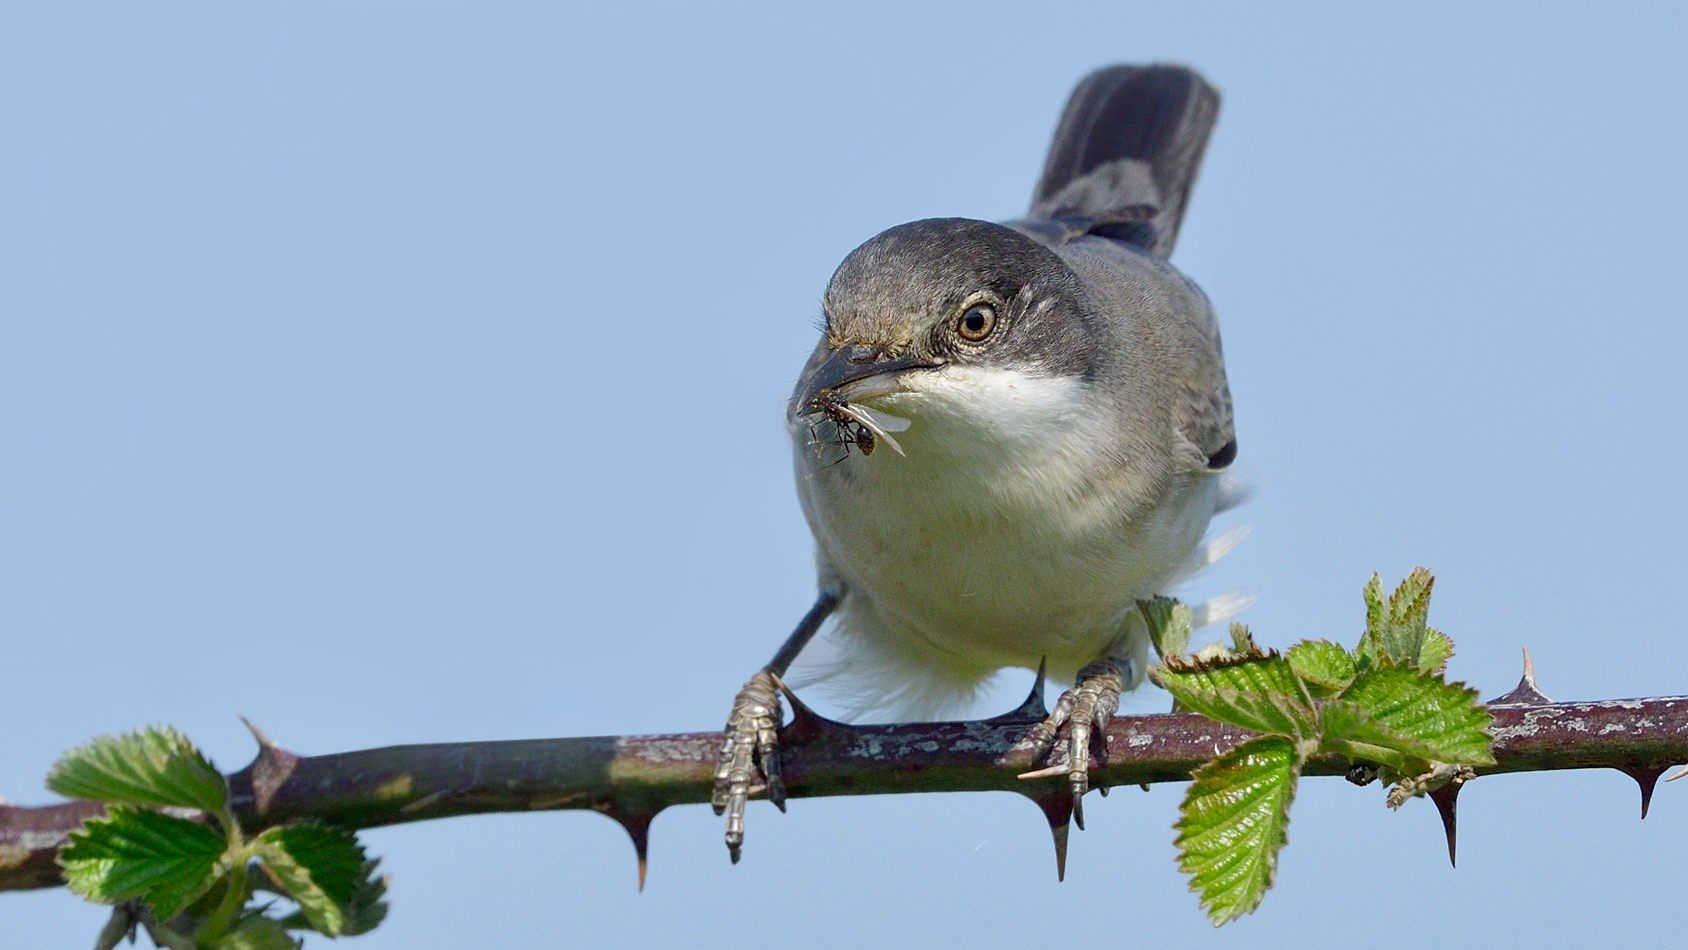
pixel 853 363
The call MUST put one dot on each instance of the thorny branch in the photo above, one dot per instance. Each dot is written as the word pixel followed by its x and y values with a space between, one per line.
pixel 631 778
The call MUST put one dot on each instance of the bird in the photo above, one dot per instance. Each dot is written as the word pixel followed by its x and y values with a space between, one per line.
pixel 1007 436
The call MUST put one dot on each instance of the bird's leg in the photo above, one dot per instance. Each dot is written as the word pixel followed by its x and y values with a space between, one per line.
pixel 1089 705
pixel 750 738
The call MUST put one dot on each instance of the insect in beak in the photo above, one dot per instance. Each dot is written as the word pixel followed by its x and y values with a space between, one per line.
pixel 870 429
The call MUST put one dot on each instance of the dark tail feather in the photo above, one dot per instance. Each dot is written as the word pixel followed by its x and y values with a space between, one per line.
pixel 1127 151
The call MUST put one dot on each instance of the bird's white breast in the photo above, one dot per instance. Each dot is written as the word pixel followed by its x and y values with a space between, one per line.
pixel 993 542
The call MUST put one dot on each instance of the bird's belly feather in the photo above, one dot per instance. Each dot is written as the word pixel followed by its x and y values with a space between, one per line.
pixel 986 542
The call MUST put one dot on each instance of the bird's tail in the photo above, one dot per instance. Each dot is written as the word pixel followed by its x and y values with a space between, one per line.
pixel 1127 152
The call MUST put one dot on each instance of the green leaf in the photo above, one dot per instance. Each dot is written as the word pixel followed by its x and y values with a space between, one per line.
pixel 323 869
pixel 256 932
pixel 1235 818
pixel 367 909
pixel 1350 730
pixel 133 853
pixel 1377 619
pixel 1438 647
pixel 1395 629
pixel 1169 625
pixel 151 766
pixel 1323 664
pixel 1421 715
pixel 1242 642
pixel 1256 691
pixel 364 913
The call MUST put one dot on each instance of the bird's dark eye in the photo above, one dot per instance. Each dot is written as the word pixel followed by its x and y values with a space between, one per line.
pixel 976 322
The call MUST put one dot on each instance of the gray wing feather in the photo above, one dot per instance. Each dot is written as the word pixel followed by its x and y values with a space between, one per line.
pixel 1118 178
pixel 1204 413
pixel 1167 339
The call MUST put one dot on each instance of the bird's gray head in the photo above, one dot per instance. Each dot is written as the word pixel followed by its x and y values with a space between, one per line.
pixel 944 292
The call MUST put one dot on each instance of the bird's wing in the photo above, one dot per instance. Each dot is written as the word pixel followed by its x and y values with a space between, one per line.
pixel 1126 154
pixel 1120 171
pixel 1166 339
pixel 1202 414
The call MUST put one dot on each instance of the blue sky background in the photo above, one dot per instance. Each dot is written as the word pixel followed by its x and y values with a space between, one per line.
pixel 406 372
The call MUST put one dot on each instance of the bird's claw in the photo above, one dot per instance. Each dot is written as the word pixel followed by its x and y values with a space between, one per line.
pixel 749 739
pixel 1088 706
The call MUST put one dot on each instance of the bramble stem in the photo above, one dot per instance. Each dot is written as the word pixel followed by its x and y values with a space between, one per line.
pixel 632 776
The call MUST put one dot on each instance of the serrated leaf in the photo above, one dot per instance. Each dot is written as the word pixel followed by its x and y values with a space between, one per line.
pixel 321 868
pixel 133 853
pixel 1350 730
pixel 1257 691
pixel 152 766
pixel 365 913
pixel 1420 714
pixel 1409 612
pixel 367 909
pixel 1234 821
pixel 256 932
pixel 1438 647
pixel 1377 610
pixel 1323 664
pixel 1242 642
pixel 1271 713
pixel 1395 628
pixel 1169 625
pixel 1367 652
pixel 1339 720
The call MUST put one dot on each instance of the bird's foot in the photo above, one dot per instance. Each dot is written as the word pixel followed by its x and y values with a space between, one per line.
pixel 749 739
pixel 1088 706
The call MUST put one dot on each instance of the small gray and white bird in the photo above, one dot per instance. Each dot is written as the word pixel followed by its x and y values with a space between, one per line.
pixel 1008 435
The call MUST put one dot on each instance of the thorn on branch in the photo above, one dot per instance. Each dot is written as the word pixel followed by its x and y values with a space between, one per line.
pixel 1057 809
pixel 1647 777
pixel 270 770
pixel 1033 710
pixel 1526 693
pixel 805 723
pixel 1447 805
pixel 637 823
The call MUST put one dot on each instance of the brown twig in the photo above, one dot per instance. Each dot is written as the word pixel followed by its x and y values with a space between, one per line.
pixel 631 778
